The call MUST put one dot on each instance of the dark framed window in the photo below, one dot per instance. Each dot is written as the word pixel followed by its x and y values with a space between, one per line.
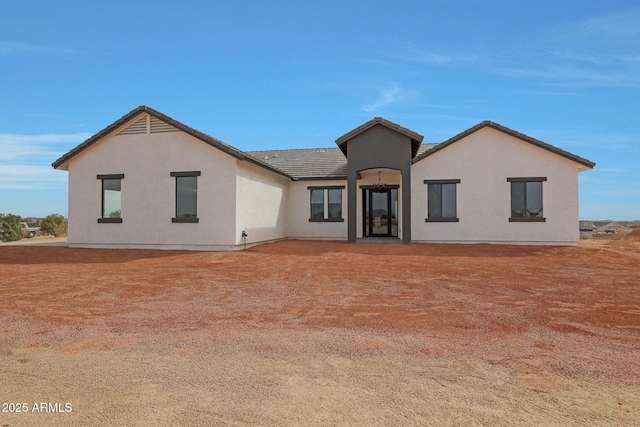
pixel 335 203
pixel 111 211
pixel 326 203
pixel 442 200
pixel 526 199
pixel 186 196
pixel 317 204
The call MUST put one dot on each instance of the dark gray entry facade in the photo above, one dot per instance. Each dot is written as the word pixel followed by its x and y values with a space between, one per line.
pixel 379 144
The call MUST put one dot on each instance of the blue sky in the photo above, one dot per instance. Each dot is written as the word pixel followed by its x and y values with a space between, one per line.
pixel 285 74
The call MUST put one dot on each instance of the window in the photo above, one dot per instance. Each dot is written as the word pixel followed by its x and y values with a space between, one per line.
pixel 441 200
pixel 186 196
pixel 111 198
pixel 326 204
pixel 317 204
pixel 335 203
pixel 526 199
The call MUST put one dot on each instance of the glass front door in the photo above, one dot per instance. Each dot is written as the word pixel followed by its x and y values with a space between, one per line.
pixel 380 212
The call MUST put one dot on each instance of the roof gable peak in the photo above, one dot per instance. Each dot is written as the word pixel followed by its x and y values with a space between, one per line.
pixel 500 128
pixel 61 163
pixel 416 138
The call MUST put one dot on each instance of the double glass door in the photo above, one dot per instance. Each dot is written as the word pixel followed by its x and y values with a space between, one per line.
pixel 380 212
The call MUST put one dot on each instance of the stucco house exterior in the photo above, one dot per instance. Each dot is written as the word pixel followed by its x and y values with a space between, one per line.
pixel 149 181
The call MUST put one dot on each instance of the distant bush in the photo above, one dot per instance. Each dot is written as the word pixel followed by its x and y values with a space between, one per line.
pixel 54 225
pixel 10 227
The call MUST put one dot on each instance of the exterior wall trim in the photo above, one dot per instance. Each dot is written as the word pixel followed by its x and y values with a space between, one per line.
pixel 525 179
pixel 442 181
pixel 185 174
pixel 111 176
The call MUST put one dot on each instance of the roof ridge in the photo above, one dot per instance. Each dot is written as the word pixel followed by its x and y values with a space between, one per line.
pixel 293 149
pixel 207 139
pixel 510 132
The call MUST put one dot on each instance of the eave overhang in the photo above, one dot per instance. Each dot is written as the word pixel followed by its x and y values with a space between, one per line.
pixel 584 163
pixel 62 162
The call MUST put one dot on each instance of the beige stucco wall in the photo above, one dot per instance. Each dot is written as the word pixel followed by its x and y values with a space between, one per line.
pixel 300 211
pixel 483 161
pixel 262 209
pixel 236 196
pixel 148 193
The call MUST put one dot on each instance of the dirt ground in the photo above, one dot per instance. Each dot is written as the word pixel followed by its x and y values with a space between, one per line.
pixel 322 333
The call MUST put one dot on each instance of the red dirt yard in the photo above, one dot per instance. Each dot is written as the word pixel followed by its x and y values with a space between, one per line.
pixel 321 333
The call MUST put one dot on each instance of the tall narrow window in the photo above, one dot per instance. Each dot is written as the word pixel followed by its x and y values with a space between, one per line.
pixel 186 196
pixel 335 203
pixel 317 204
pixel 441 200
pixel 111 198
pixel 526 199
pixel 326 203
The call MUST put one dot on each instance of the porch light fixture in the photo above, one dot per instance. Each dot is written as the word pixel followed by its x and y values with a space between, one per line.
pixel 380 185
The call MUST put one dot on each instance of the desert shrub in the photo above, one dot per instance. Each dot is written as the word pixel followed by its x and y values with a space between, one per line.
pixel 54 225
pixel 10 228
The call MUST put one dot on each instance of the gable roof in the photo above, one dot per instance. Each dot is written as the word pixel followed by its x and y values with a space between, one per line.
pixel 309 163
pixel 582 161
pixel 232 151
pixel 416 138
pixel 312 163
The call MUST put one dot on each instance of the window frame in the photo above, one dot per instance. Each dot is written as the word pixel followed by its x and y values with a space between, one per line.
pixel 325 202
pixel 312 204
pixel 176 218
pixel 526 180
pixel 102 178
pixel 440 182
pixel 329 203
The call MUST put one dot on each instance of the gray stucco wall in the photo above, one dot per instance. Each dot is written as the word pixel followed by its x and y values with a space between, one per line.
pixel 379 147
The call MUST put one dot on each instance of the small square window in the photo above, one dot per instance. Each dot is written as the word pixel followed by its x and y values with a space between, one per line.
pixel 441 200
pixel 326 204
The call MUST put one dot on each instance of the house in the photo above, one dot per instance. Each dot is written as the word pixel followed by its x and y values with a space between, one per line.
pixel 149 181
pixel 609 227
pixel 586 229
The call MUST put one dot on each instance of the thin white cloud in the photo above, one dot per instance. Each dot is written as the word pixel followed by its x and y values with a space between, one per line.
pixel 7 48
pixel 34 148
pixel 602 51
pixel 26 177
pixel 10 47
pixel 575 75
pixel 430 57
pixel 610 170
pixel 386 97
pixel 614 29
pixel 393 94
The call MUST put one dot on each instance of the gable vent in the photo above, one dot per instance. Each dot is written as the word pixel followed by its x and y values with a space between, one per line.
pixel 137 127
pixel 158 126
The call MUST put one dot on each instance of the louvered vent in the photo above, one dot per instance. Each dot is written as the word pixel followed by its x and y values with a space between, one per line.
pixel 137 127
pixel 158 126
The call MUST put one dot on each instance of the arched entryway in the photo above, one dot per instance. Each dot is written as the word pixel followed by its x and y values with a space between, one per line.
pixel 379 145
pixel 380 202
